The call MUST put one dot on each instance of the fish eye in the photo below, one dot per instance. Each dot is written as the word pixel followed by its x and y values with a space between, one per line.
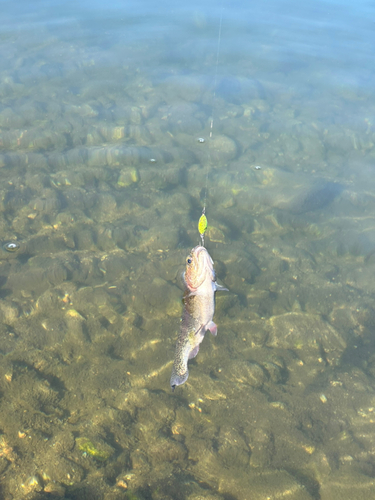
pixel 189 260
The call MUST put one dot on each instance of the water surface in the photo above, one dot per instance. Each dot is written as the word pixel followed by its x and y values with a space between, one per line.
pixel 103 178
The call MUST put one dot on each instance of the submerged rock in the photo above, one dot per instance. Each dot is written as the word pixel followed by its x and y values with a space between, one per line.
pixel 222 149
pixel 267 484
pixel 347 486
pixel 308 334
pixel 244 372
pixel 98 450
pixel 239 91
pixel 320 195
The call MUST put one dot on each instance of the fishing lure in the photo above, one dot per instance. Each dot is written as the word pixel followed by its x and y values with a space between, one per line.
pixel 202 226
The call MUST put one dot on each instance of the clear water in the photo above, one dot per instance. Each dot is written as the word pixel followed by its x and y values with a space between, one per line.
pixel 103 179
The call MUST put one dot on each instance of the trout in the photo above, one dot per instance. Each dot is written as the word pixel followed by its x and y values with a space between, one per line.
pixel 199 307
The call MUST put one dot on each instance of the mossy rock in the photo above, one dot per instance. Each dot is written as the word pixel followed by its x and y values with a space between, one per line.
pixel 99 451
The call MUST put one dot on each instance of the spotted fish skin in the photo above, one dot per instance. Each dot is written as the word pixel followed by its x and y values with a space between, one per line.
pixel 199 308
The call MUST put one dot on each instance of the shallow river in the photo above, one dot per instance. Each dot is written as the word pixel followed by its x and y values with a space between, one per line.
pixel 119 122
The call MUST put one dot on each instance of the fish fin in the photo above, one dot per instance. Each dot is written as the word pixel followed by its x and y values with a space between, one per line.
pixel 212 327
pixel 220 288
pixel 194 352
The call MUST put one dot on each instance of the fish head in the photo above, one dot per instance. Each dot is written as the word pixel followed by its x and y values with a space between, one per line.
pixel 178 379
pixel 199 268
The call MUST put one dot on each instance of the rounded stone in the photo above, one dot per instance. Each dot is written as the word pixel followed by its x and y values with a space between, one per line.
pixel 248 373
pixel 222 149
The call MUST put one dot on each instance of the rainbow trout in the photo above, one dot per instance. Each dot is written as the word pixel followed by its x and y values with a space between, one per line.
pixel 199 307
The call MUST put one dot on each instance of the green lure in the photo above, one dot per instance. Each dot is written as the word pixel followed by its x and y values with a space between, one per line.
pixel 202 225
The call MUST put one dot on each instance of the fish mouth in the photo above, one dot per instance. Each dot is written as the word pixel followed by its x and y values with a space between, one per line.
pixel 177 380
pixel 208 261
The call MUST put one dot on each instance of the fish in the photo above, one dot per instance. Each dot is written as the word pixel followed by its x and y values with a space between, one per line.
pixel 199 307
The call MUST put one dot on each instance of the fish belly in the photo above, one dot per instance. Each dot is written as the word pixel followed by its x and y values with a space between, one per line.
pixel 187 347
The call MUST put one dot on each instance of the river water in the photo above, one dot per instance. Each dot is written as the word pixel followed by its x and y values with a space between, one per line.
pixel 119 122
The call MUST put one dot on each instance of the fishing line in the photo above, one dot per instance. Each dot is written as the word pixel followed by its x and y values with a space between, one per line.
pixel 203 223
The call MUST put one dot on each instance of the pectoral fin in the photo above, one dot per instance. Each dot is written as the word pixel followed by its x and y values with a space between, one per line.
pixel 220 288
pixel 194 352
pixel 212 327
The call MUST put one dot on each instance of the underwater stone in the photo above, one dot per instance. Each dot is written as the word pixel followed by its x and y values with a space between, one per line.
pixel 240 90
pixel 12 139
pixel 84 239
pixel 107 237
pixel 63 442
pixel 155 239
pixel 202 494
pixel 216 235
pixel 184 118
pixel 10 120
pixel 162 178
pixel 63 471
pixel 319 196
pixel 36 181
pixel 76 156
pixel 347 486
pixel 56 273
pixel 139 133
pixel 128 177
pixel 308 334
pixel 54 489
pixel 247 373
pixel 57 161
pixel 96 449
pixel 29 280
pixel 232 448
pixel 222 149
pixel 272 484
pixel 32 484
pixel 250 333
pixel 16 199
pixel 275 372
pixel 115 264
pixel 78 198
pixel 112 133
pixel 109 314
pixel 9 312
pixel 106 204
pixel 244 267
pixel 133 400
pixel 48 203
pixel 155 298
pixel 97 156
pixel 135 115
pixel 262 447
pixel 165 450
pixel 44 140
pixel 48 299
pixel 66 219
pixel 344 319
pixel 93 138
